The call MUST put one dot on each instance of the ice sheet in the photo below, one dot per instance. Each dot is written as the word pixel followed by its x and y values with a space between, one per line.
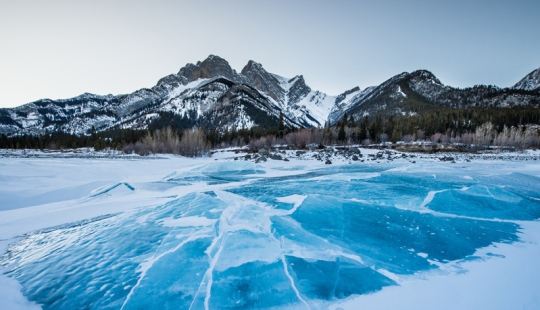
pixel 183 233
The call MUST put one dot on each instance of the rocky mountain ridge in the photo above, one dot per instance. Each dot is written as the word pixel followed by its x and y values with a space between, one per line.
pixel 419 91
pixel 530 82
pixel 213 95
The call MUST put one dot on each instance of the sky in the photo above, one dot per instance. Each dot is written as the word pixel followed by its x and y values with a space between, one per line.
pixel 61 49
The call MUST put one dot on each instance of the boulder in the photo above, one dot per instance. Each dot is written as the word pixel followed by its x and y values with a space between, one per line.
pixel 264 152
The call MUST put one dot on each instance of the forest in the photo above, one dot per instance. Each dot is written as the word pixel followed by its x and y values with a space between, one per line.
pixel 509 128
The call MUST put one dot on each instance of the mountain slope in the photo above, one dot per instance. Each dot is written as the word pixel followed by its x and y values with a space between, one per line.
pixel 530 82
pixel 209 93
pixel 212 94
pixel 413 93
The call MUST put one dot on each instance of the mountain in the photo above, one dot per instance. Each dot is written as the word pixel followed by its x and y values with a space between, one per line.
pixel 420 91
pixel 213 95
pixel 530 82
pixel 209 93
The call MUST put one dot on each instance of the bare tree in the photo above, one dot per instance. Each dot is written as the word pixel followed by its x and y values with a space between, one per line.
pixel 484 135
pixel 194 143
pixel 162 141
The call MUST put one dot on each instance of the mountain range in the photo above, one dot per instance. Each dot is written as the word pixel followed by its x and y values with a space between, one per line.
pixel 212 94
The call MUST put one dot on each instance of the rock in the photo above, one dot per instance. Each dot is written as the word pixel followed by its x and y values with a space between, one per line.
pixel 257 77
pixel 354 157
pixel 264 152
pixel 261 159
pixel 285 159
pixel 354 150
pixel 247 157
pixel 446 158
pixel 342 96
pixel 328 162
pixel 275 157
pixel 298 153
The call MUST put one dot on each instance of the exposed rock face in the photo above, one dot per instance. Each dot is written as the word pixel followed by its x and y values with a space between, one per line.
pixel 255 75
pixel 213 66
pixel 344 95
pixel 426 84
pixel 172 81
pixel 530 82
pixel 298 89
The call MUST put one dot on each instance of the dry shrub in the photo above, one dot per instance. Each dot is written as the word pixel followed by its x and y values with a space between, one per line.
pixel 162 141
pixel 137 148
pixel 261 143
pixel 192 144
pixel 304 137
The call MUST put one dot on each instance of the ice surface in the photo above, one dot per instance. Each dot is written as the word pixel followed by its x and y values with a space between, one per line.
pixel 249 237
pixel 216 173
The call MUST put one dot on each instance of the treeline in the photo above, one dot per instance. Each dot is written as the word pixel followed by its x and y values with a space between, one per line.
pixel 189 142
pixel 115 139
pixel 510 127
pixel 443 120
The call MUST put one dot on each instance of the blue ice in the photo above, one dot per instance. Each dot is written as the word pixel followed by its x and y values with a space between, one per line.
pixel 287 242
pixel 216 173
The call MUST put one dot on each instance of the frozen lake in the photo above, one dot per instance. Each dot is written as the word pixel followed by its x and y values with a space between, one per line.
pixel 182 233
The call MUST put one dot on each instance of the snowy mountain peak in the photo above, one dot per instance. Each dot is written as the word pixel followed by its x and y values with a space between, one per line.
pixel 251 66
pixel 211 94
pixel 530 82
pixel 424 76
pixel 294 79
pixel 256 76
pixel 212 66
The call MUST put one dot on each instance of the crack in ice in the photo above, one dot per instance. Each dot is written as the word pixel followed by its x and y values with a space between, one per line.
pixel 210 270
pixel 286 270
pixel 146 265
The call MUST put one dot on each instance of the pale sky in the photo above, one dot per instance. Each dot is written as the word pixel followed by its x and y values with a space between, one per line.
pixel 60 49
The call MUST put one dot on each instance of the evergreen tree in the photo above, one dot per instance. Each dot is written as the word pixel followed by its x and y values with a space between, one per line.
pixel 93 133
pixel 281 125
pixel 341 134
pixel 352 121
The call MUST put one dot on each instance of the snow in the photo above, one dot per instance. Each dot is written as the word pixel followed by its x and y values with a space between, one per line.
pixel 529 82
pixel 225 233
pixel 10 290
pixel 294 199
pixel 181 88
pixel 401 92
pixel 318 105
pixel 282 80
pixel 497 281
